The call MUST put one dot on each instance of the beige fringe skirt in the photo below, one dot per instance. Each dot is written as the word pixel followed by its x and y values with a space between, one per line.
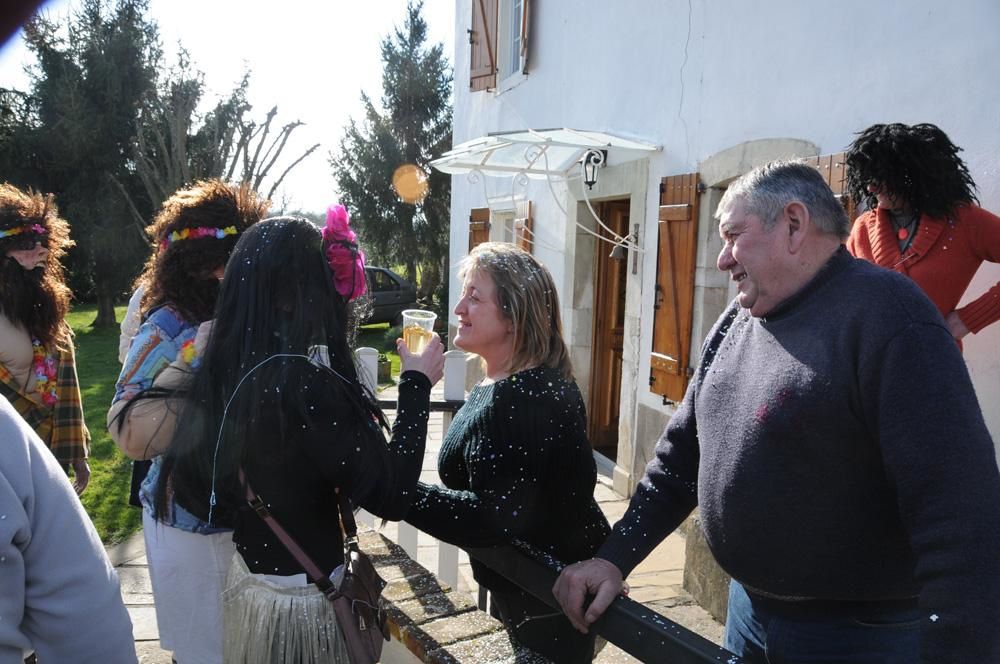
pixel 266 623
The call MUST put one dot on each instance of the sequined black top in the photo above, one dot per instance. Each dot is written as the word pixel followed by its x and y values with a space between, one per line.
pixel 517 465
pixel 314 444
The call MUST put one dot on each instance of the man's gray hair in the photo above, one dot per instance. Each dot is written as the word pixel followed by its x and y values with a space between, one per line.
pixel 766 190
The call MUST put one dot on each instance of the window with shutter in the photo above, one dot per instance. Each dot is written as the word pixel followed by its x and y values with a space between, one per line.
pixel 524 43
pixel 512 38
pixel 523 232
pixel 674 293
pixel 479 226
pixel 483 39
pixel 834 170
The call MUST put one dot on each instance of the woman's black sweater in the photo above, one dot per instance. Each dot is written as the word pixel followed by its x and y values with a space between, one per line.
pixel 517 466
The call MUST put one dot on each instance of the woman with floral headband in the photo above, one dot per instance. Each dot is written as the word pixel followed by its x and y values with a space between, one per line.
pixel 194 234
pixel 277 399
pixel 37 364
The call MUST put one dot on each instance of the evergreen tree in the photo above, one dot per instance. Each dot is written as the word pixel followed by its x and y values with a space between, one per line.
pixel 111 138
pixel 87 89
pixel 411 128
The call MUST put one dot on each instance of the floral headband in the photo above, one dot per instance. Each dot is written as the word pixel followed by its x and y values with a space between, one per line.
pixel 195 233
pixel 346 260
pixel 38 229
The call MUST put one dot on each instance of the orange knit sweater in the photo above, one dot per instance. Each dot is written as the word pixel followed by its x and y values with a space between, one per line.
pixel 942 259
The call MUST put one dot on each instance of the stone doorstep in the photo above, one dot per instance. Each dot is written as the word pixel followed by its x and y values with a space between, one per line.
pixel 436 624
pixel 493 648
pixel 149 652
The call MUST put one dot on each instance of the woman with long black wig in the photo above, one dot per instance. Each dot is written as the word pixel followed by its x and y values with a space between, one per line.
pixel 277 396
pixel 923 218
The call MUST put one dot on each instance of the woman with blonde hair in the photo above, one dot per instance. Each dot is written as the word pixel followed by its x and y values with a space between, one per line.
pixel 516 463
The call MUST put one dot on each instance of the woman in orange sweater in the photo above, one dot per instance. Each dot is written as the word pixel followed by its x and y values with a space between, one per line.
pixel 923 218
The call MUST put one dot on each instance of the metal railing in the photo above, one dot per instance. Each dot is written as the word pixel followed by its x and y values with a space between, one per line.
pixel 636 629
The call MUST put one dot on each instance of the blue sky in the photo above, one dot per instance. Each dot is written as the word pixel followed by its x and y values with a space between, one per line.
pixel 312 59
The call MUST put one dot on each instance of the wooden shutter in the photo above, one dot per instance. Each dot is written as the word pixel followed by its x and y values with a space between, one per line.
pixel 525 32
pixel 523 232
pixel 674 294
pixel 834 170
pixel 483 38
pixel 479 226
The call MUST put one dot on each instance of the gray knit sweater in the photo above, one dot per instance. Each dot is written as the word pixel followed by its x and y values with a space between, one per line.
pixel 837 451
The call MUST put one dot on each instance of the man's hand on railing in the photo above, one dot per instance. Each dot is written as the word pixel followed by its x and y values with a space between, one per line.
pixel 430 362
pixel 596 577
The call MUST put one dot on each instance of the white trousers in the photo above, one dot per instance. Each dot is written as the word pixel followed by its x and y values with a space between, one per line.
pixel 188 572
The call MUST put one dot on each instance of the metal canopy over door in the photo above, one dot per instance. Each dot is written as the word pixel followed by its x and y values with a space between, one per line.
pixel 609 334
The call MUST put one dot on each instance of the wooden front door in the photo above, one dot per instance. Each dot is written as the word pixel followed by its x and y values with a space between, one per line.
pixel 609 332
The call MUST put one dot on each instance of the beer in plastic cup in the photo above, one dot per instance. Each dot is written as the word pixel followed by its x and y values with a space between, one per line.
pixel 418 329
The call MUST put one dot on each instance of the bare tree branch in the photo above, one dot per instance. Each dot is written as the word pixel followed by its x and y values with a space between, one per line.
pixel 286 171
pixel 138 221
pixel 266 129
pixel 286 131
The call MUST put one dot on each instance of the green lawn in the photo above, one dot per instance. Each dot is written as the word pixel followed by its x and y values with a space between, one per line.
pixel 382 337
pixel 106 498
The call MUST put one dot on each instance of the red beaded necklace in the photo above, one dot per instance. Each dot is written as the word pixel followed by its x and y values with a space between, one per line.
pixel 903 232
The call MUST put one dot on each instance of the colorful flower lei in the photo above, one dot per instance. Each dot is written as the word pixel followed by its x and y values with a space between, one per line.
pixel 38 229
pixel 195 233
pixel 44 367
pixel 346 260
pixel 188 352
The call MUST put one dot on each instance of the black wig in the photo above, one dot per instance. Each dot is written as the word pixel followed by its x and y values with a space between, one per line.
pixel 918 163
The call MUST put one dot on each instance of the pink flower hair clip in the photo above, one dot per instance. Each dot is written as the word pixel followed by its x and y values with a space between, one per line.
pixel 346 259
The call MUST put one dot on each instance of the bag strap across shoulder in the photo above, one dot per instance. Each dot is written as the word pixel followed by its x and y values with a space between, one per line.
pixel 312 570
pixel 347 523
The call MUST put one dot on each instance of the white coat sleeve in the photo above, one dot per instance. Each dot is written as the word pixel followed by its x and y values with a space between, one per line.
pixel 59 594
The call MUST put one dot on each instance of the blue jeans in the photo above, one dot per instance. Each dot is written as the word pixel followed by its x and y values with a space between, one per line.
pixel 858 635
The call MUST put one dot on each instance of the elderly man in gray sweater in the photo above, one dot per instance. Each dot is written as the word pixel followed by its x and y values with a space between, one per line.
pixel 59 595
pixel 833 441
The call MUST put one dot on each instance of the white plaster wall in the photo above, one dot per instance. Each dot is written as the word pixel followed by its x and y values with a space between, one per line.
pixel 743 71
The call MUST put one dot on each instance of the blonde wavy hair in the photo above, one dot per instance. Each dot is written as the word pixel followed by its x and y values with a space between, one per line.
pixel 527 297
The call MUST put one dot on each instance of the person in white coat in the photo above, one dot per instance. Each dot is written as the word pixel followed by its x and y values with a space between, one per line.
pixel 59 594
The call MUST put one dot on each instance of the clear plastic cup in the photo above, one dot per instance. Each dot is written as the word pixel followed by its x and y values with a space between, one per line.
pixel 418 329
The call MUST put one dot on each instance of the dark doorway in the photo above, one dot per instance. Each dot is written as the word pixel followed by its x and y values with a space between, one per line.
pixel 609 332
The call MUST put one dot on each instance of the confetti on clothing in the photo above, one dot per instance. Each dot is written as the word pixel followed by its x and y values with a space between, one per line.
pixel 309 442
pixel 517 465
